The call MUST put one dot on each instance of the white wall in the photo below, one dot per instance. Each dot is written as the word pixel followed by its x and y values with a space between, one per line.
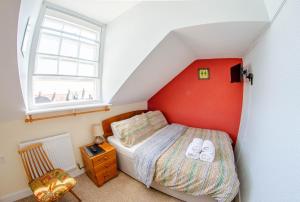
pixel 11 102
pixel 12 174
pixel 132 36
pixel 273 6
pixel 28 9
pixel 269 139
pixel 14 68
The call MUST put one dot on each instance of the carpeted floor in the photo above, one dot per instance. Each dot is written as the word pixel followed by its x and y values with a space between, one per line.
pixel 120 189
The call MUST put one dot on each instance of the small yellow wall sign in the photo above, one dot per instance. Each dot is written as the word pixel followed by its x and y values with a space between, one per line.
pixel 203 73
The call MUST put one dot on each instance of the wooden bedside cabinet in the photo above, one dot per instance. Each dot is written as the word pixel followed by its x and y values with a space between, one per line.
pixel 101 167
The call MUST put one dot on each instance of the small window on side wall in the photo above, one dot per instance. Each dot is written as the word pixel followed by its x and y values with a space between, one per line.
pixel 65 60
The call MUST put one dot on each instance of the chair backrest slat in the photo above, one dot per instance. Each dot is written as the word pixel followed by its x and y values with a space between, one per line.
pixel 42 165
pixel 48 162
pixel 30 165
pixel 35 161
pixel 26 167
pixel 39 167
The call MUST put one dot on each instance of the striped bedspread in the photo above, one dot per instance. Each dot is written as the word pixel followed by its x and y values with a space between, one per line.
pixel 217 179
pixel 146 156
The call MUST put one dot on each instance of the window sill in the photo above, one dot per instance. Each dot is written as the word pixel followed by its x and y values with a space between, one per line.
pixel 65 108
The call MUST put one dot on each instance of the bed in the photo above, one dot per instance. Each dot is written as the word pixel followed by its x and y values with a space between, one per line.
pixel 225 186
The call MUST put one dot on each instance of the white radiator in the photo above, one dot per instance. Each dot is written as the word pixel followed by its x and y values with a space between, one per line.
pixel 59 149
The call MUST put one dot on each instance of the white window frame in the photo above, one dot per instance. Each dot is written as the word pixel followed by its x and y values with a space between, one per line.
pixel 32 55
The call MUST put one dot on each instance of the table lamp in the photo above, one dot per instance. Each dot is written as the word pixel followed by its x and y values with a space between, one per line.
pixel 97 133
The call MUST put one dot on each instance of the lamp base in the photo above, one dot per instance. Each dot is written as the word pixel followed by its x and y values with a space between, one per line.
pixel 98 140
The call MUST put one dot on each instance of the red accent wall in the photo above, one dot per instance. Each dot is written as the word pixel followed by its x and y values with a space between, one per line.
pixel 215 103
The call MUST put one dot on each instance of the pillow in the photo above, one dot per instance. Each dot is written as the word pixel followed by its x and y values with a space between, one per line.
pixel 156 119
pixel 133 130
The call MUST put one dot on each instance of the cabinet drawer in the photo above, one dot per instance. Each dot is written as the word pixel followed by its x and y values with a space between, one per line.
pixel 102 158
pixel 107 174
pixel 105 165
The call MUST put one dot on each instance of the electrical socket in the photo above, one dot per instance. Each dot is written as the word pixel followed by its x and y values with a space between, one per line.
pixel 2 159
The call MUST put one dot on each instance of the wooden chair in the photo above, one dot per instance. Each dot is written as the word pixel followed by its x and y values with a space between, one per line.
pixel 46 183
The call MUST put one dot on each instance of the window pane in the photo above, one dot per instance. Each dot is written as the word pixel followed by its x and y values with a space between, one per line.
pixel 89 34
pixel 88 41
pixel 69 48
pixel 48 44
pixel 70 36
pixel 71 29
pixel 56 90
pixel 87 69
pixel 67 67
pixel 88 52
pixel 45 65
pixel 50 32
pixel 66 61
pixel 53 24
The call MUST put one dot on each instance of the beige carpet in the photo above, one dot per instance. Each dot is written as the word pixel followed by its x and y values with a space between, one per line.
pixel 120 189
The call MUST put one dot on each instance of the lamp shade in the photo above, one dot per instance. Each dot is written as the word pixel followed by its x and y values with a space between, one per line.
pixel 97 130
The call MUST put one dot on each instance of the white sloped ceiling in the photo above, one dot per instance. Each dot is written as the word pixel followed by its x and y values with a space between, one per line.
pixel 181 47
pixel 138 47
pixel 102 10
pixel 159 67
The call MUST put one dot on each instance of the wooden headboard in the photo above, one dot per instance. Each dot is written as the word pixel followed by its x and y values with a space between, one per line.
pixel 106 123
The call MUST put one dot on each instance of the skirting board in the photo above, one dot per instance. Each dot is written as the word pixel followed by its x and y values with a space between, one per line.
pixel 27 192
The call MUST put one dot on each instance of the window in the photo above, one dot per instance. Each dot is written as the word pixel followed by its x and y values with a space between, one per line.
pixel 65 62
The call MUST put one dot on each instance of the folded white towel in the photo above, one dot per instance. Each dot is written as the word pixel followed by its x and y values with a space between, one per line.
pixel 194 148
pixel 196 145
pixel 197 141
pixel 208 146
pixel 193 155
pixel 208 151
pixel 209 157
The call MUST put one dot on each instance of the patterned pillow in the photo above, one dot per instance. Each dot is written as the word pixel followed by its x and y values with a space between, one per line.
pixel 156 119
pixel 133 130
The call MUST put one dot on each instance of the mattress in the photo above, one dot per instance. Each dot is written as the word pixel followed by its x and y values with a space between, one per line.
pixel 125 157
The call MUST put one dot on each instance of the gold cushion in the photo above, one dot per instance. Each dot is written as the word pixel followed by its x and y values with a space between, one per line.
pixel 52 185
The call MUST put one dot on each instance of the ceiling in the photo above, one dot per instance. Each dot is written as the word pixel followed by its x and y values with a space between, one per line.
pixel 180 48
pixel 103 11
pixel 220 39
pixel 208 31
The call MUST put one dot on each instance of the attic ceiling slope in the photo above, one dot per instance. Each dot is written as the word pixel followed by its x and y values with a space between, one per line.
pixel 103 11
pixel 133 36
pixel 157 69
pixel 180 48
